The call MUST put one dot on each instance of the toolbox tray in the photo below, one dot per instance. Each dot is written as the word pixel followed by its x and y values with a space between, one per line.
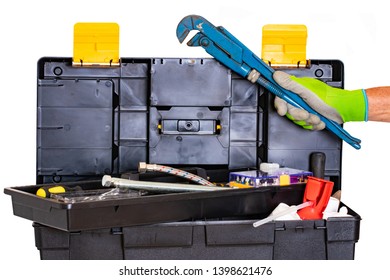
pixel 147 209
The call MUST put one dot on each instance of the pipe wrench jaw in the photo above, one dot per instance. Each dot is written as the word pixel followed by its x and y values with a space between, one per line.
pixel 187 24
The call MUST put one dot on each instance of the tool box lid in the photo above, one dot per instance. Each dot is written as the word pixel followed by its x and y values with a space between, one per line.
pixel 96 121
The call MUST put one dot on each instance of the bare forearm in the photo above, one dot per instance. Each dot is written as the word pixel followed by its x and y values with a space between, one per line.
pixel 378 104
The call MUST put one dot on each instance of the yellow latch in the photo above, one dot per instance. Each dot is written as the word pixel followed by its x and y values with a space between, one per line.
pixel 284 45
pixel 96 44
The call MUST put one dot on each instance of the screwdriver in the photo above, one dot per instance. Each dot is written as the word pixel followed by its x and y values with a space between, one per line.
pixel 56 189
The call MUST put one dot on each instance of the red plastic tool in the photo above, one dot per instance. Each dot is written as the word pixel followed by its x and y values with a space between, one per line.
pixel 318 192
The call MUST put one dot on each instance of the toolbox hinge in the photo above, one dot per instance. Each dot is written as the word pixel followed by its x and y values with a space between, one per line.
pixel 284 45
pixel 96 44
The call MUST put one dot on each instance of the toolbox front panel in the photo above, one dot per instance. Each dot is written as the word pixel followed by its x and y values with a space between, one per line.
pixel 220 239
pixel 201 243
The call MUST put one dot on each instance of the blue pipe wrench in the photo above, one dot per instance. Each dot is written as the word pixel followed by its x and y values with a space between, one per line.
pixel 228 50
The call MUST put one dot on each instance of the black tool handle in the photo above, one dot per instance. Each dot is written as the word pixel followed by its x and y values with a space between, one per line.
pixel 317 164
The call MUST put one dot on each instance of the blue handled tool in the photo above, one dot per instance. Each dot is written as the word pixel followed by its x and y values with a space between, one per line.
pixel 228 50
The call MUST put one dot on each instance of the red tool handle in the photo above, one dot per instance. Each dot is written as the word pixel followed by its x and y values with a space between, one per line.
pixel 318 191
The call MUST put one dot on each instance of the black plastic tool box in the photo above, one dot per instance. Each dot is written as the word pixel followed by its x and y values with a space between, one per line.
pixel 186 112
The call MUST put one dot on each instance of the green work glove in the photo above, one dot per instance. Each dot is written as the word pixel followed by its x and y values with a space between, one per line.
pixel 333 103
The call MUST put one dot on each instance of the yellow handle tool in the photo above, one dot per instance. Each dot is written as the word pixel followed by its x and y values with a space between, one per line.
pixel 48 190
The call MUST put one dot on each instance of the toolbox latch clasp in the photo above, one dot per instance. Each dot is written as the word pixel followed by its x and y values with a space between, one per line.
pixel 284 45
pixel 96 45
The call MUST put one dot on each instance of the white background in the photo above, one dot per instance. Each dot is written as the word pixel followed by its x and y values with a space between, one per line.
pixel 356 32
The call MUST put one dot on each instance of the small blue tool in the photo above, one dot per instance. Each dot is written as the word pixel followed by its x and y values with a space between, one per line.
pixel 228 50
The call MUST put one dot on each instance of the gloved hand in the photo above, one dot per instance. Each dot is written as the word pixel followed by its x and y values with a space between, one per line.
pixel 334 103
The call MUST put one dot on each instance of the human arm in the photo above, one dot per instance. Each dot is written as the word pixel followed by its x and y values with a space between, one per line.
pixel 336 104
pixel 379 104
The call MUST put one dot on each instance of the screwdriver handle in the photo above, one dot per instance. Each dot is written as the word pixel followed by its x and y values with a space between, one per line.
pixel 317 164
pixel 56 189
